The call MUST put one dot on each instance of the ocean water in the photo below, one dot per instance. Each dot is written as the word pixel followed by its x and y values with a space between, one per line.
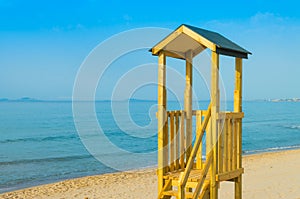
pixel 39 142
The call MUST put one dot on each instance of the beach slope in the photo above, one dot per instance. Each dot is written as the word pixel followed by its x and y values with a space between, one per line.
pixel 267 175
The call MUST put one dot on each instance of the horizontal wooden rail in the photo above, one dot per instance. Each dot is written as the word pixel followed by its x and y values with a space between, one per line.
pixel 230 115
pixel 195 112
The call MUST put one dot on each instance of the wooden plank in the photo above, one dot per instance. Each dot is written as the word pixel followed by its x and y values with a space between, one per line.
pixel 205 193
pixel 198 50
pixel 214 112
pixel 230 115
pixel 166 146
pixel 238 86
pixel 158 47
pixel 230 148
pixel 189 184
pixel 203 177
pixel 225 156
pixel 229 175
pixel 195 112
pixel 190 162
pixel 221 145
pixel 235 140
pixel 177 166
pixel 201 40
pixel 198 133
pixel 239 143
pixel 238 187
pixel 200 150
pixel 166 187
pixel 208 138
pixel 188 102
pixel 174 54
pixel 172 142
pixel 238 108
pixel 161 117
pixel 182 140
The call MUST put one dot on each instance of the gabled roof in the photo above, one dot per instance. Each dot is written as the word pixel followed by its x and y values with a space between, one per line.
pixel 187 37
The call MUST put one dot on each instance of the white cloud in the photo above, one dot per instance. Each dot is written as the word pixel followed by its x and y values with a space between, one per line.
pixel 266 17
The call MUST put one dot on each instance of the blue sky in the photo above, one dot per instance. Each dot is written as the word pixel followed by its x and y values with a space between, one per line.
pixel 43 43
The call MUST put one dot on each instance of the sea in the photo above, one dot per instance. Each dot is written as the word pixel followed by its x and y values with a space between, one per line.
pixel 46 141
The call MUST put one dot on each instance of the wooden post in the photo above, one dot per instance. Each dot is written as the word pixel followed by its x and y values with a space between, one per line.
pixel 225 157
pixel 182 127
pixel 238 108
pixel 177 140
pixel 214 112
pixel 230 144
pixel 172 142
pixel 221 145
pixel 188 102
pixel 235 140
pixel 161 117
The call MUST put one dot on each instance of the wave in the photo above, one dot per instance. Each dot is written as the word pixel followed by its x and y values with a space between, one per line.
pixel 271 149
pixel 51 159
pixel 293 127
pixel 39 139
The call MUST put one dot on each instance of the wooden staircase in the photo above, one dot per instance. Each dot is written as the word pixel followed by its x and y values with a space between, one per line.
pixel 197 185
pixel 190 183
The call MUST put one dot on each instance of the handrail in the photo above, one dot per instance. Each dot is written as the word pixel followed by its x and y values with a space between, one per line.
pixel 205 171
pixel 184 178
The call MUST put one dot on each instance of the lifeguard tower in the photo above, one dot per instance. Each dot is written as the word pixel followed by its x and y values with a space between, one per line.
pixel 182 172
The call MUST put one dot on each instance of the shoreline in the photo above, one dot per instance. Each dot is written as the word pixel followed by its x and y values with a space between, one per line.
pixel 122 184
pixel 48 182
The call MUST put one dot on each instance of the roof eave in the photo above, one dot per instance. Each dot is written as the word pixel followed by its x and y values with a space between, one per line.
pixel 233 53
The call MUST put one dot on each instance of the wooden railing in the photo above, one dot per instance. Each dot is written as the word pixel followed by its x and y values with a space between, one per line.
pixel 229 149
pixel 228 146
pixel 176 140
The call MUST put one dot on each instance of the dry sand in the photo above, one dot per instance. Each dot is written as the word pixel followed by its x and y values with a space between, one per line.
pixel 268 175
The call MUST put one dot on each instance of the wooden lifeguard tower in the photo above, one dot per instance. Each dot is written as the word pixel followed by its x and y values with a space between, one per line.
pixel 182 172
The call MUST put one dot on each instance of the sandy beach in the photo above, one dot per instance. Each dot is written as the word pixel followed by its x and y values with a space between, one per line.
pixel 268 175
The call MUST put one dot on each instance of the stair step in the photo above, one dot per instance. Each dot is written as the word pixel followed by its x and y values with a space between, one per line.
pixel 189 184
pixel 175 193
pixel 194 176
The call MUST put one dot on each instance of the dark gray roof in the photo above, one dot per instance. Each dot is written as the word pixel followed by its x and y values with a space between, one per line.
pixel 224 45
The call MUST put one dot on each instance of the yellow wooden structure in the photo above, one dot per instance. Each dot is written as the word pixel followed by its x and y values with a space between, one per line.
pixel 182 172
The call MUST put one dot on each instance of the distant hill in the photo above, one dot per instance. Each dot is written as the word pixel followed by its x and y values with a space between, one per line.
pixel 23 99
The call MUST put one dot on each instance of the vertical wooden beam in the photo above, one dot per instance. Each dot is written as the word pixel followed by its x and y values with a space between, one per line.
pixel 238 85
pixel 214 112
pixel 230 144
pixel 238 108
pixel 221 144
pixel 172 142
pixel 225 157
pixel 177 139
pixel 188 102
pixel 166 145
pixel 235 140
pixel 161 117
pixel 182 137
